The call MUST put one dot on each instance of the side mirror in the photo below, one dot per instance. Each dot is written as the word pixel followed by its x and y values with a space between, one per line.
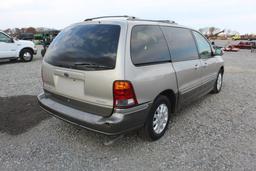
pixel 11 40
pixel 218 52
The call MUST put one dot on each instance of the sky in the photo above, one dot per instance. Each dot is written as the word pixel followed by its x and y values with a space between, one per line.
pixel 238 15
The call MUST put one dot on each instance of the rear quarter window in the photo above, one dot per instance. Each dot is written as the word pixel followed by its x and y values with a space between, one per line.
pixel 148 45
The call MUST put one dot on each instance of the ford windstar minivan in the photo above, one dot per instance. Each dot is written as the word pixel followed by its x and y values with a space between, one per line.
pixel 118 73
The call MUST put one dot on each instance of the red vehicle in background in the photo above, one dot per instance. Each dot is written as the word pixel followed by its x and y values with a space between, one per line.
pixel 245 45
pixel 231 48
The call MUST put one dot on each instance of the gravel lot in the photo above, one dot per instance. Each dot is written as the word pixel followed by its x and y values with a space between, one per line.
pixel 217 132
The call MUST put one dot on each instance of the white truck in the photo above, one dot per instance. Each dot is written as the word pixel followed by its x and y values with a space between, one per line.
pixel 15 49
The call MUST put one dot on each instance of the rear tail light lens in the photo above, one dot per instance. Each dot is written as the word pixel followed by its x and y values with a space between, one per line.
pixel 124 95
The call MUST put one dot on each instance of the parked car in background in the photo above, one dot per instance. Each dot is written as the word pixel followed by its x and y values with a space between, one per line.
pixel 26 36
pixel 115 75
pixel 253 49
pixel 236 37
pixel 231 49
pixel 245 45
pixel 45 38
pixel 15 49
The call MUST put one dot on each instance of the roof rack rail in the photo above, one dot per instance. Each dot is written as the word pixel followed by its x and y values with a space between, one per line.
pixel 114 16
pixel 130 18
pixel 161 21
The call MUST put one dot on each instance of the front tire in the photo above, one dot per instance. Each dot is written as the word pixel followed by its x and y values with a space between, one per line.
pixel 158 119
pixel 26 55
pixel 218 84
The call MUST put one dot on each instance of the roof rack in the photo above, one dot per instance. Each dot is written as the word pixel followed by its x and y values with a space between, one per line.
pixel 131 18
pixel 113 16
pixel 161 21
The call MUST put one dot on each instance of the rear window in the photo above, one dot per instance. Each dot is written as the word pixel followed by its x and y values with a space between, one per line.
pixel 148 45
pixel 83 47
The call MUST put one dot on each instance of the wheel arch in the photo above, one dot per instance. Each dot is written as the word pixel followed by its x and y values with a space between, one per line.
pixel 172 96
pixel 26 48
pixel 222 69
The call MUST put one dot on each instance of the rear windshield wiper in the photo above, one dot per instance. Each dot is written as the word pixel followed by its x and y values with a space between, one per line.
pixel 91 65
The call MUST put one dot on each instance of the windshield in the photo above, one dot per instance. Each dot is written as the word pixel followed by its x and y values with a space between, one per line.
pixel 83 47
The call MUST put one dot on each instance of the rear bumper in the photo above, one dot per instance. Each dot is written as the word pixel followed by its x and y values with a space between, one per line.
pixel 122 120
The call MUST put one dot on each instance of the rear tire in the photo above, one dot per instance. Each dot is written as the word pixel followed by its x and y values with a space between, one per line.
pixel 218 83
pixel 26 55
pixel 158 119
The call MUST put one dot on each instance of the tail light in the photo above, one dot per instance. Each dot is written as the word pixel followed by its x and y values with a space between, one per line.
pixel 124 96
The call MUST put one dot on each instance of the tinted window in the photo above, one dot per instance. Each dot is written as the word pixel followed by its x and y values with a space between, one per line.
pixel 85 47
pixel 203 46
pixel 148 45
pixel 4 38
pixel 181 44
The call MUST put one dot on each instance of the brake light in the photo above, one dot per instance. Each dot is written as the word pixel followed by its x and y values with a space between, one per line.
pixel 124 95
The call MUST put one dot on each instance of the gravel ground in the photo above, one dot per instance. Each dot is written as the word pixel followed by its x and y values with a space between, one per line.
pixel 217 132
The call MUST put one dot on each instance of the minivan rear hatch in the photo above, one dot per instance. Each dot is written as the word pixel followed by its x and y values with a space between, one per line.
pixel 79 66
